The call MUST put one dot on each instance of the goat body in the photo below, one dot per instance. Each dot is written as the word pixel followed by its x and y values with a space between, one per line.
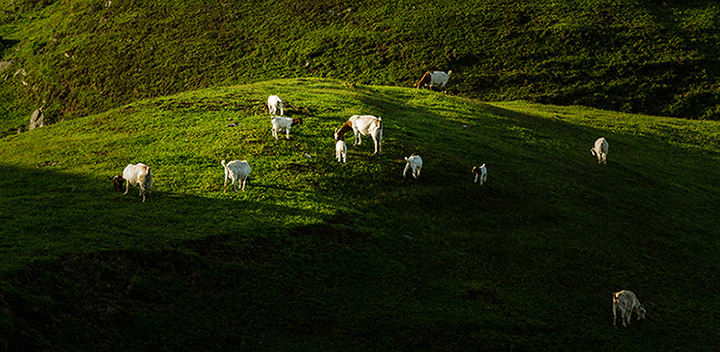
pixel 274 104
pixel 279 122
pixel 236 170
pixel 600 150
pixel 136 175
pixel 340 147
pixel 626 301
pixel 416 163
pixel 480 174
pixel 341 151
pixel 366 125
pixel 434 78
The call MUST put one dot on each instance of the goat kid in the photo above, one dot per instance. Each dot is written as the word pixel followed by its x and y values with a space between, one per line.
pixel 365 125
pixel 274 104
pixel 600 150
pixel 340 147
pixel 416 163
pixel 137 175
pixel 236 170
pixel 480 173
pixel 434 78
pixel 279 123
pixel 626 301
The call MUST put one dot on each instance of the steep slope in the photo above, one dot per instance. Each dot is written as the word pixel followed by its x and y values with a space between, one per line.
pixel 82 57
pixel 322 255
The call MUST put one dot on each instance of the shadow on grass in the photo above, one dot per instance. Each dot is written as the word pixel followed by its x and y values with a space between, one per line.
pixel 85 267
pixel 46 213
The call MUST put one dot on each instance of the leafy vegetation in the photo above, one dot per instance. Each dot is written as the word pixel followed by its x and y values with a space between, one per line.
pixel 82 57
pixel 318 255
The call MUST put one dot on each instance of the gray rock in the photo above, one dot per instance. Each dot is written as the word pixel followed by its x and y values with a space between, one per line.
pixel 5 64
pixel 37 119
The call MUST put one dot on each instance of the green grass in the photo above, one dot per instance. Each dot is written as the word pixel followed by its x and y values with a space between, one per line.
pixel 79 57
pixel 318 255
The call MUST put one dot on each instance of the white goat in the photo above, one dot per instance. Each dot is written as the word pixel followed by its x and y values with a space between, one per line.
pixel 236 170
pixel 136 175
pixel 366 125
pixel 480 173
pixel 600 150
pixel 340 147
pixel 274 104
pixel 416 163
pixel 434 78
pixel 279 123
pixel 626 301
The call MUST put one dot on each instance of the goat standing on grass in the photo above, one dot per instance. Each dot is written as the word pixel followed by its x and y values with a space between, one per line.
pixel 434 78
pixel 366 125
pixel 137 175
pixel 279 122
pixel 340 147
pixel 416 163
pixel 600 150
pixel 274 104
pixel 236 170
pixel 626 301
pixel 480 173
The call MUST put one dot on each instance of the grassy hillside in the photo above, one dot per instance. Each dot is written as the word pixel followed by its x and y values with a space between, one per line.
pixel 82 57
pixel 318 255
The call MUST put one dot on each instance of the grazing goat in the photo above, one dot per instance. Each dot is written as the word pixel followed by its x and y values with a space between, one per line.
pixel 137 175
pixel 274 103
pixel 416 163
pixel 480 173
pixel 340 147
pixel 365 125
pixel 279 123
pixel 600 150
pixel 627 302
pixel 433 78
pixel 236 170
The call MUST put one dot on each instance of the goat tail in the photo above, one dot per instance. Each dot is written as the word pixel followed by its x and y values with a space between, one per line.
pixel 449 72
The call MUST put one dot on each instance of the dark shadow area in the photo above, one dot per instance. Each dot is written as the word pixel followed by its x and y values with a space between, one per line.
pixel 85 267
pixel 6 44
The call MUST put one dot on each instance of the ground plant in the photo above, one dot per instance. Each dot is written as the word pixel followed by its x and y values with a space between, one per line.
pixel 80 57
pixel 321 255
